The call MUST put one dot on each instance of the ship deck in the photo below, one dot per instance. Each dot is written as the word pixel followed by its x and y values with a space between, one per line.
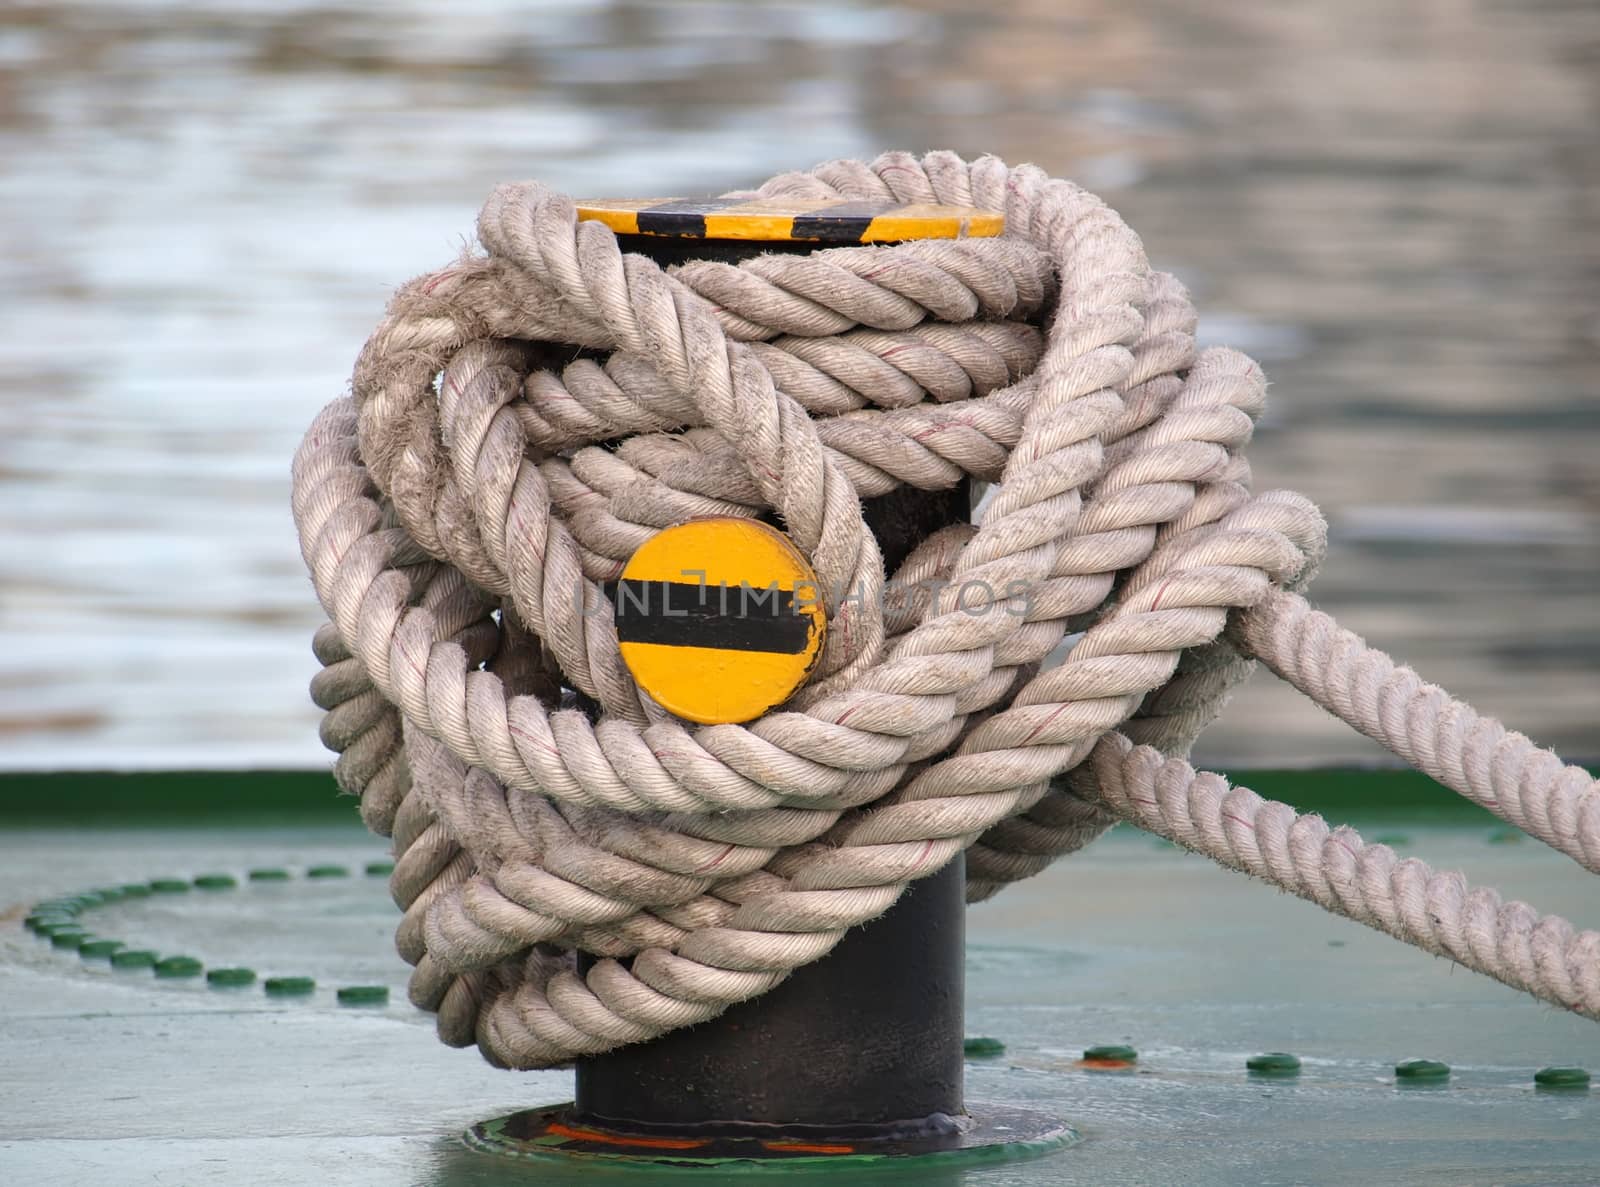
pixel 117 1076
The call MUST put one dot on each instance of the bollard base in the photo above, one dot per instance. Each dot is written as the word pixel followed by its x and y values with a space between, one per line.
pixel 989 1135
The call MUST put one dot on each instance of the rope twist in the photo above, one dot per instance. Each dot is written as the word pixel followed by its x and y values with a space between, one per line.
pixel 524 419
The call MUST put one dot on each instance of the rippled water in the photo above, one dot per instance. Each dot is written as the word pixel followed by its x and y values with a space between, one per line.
pixel 204 204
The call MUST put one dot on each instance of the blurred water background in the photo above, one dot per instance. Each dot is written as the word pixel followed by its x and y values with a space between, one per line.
pixel 204 204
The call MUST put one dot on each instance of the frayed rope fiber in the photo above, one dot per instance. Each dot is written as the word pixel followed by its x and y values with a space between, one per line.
pixel 527 417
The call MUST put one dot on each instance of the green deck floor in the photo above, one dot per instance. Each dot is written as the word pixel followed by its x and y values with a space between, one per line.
pixel 119 1077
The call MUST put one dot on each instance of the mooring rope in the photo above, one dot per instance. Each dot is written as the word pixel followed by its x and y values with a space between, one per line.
pixel 527 417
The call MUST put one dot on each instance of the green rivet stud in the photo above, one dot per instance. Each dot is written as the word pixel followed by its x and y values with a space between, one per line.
pixel 269 875
pixel 62 905
pixel 327 872
pixel 216 881
pixel 982 1047
pixel 99 948
pixel 40 921
pixel 136 890
pixel 110 894
pixel 179 966
pixel 380 869
pixel 1274 1063
pixel 1421 1069
pixel 69 937
pixel 168 885
pixel 363 995
pixel 1110 1053
pixel 226 978
pixel 48 929
pixel 289 986
pixel 133 958
pixel 1561 1077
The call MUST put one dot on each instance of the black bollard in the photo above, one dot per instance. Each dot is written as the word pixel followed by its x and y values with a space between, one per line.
pixel 859 1053
pixel 865 1042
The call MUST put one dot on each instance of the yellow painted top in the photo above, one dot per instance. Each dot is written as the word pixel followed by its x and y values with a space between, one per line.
pixel 719 619
pixel 785 220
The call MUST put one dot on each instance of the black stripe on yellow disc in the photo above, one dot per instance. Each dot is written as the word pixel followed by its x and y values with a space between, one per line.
pixel 828 221
pixel 718 619
pixel 686 217
pixel 688 614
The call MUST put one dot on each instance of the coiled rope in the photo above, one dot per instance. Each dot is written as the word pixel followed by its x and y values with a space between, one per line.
pixel 528 416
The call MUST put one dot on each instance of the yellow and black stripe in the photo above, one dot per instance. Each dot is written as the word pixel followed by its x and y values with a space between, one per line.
pixel 718 619
pixel 688 614
pixel 834 221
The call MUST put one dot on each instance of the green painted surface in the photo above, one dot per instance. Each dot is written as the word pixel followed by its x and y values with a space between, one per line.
pixel 362 995
pixel 1110 1053
pixel 1421 1069
pixel 1561 1077
pixel 230 978
pixel 1274 1063
pixel 179 966
pixel 133 958
pixel 289 986
pixel 81 799
pixel 135 1079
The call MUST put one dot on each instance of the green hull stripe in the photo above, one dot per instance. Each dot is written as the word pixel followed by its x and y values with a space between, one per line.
pixel 168 799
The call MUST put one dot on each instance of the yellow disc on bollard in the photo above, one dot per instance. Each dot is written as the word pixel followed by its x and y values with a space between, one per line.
pixel 719 619
pixel 784 220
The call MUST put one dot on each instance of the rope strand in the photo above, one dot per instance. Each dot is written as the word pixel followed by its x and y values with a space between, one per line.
pixel 462 510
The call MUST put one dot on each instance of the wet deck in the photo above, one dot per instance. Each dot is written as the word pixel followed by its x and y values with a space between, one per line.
pixel 118 1077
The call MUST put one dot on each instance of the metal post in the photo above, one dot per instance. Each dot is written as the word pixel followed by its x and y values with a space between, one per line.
pixel 866 1041
pixel 858 1054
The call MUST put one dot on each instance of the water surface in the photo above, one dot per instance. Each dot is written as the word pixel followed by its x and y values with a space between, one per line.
pixel 204 205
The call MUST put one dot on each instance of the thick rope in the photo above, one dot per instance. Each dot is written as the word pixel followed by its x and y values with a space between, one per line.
pixel 461 511
pixel 1424 725
pixel 1438 912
